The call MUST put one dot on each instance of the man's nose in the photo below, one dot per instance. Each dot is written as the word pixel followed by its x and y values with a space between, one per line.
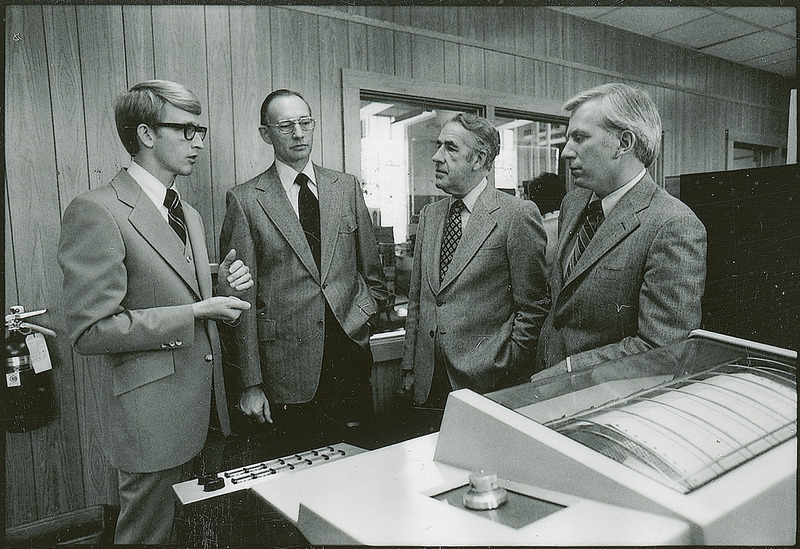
pixel 197 143
pixel 437 157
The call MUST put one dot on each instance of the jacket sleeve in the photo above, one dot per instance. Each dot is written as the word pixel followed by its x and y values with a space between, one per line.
pixel 236 234
pixel 91 253
pixel 670 296
pixel 412 318
pixel 368 261
pixel 526 245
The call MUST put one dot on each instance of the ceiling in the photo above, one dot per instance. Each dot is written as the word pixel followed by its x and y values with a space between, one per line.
pixel 760 37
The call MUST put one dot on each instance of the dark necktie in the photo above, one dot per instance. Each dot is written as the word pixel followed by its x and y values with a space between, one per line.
pixel 452 234
pixel 308 210
pixel 592 218
pixel 175 214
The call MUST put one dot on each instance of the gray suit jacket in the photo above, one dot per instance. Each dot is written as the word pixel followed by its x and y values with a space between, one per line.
pixel 129 291
pixel 638 285
pixel 487 312
pixel 279 341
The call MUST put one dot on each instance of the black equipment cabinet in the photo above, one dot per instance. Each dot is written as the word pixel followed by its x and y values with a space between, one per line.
pixel 753 223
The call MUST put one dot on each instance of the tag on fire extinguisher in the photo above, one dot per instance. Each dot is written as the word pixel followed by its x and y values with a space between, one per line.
pixel 40 356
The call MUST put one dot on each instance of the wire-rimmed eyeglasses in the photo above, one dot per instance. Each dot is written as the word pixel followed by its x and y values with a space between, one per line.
pixel 306 124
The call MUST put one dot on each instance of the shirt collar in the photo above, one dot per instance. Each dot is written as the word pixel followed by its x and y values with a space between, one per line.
pixel 613 199
pixel 287 174
pixel 152 187
pixel 472 197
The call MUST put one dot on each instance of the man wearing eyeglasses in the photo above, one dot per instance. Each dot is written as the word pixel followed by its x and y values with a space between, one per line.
pixel 303 362
pixel 138 290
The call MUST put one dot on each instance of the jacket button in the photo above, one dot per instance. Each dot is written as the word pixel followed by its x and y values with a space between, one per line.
pixel 171 343
pixel 178 342
pixel 439 302
pixel 432 334
pixel 209 357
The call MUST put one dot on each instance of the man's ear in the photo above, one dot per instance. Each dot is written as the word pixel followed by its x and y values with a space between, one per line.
pixel 627 139
pixel 146 135
pixel 264 131
pixel 479 160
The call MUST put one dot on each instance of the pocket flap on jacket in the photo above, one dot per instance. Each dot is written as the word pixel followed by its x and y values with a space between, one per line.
pixel 347 224
pixel 266 329
pixel 138 369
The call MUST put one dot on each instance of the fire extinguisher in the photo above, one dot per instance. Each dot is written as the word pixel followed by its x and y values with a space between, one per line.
pixel 26 396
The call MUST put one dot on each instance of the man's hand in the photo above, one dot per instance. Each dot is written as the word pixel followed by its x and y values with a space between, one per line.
pixel 220 308
pixel 254 404
pixel 233 275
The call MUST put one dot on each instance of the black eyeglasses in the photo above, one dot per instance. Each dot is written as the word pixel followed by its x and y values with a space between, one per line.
pixel 189 130
pixel 287 126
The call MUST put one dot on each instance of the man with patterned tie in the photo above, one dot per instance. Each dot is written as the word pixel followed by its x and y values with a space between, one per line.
pixel 301 357
pixel 138 290
pixel 478 294
pixel 630 263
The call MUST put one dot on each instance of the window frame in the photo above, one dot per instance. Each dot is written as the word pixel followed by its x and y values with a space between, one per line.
pixel 355 82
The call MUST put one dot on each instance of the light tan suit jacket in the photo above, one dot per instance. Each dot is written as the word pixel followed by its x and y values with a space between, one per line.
pixel 129 291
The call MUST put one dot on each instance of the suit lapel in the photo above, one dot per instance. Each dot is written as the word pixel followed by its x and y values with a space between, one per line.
pixel 474 234
pixel 432 242
pixel 276 205
pixel 194 226
pixel 623 220
pixel 330 208
pixel 147 220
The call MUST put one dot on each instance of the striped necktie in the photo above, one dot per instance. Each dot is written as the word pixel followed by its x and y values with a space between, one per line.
pixel 175 214
pixel 592 218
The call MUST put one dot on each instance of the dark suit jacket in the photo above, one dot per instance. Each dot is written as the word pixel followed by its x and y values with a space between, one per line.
pixel 488 310
pixel 638 284
pixel 129 291
pixel 279 341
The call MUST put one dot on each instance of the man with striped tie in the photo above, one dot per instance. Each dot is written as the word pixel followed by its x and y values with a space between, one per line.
pixel 138 290
pixel 630 263
pixel 478 294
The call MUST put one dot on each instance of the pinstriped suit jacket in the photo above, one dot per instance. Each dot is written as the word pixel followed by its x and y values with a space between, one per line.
pixel 487 312
pixel 129 291
pixel 279 341
pixel 638 284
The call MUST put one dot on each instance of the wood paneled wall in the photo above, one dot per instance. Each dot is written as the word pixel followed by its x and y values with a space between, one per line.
pixel 66 64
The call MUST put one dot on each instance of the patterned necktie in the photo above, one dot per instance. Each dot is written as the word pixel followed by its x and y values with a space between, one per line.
pixel 593 217
pixel 308 210
pixel 452 234
pixel 175 214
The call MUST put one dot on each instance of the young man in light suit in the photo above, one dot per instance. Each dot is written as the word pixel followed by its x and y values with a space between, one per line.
pixel 138 287
pixel 631 275
pixel 302 359
pixel 476 301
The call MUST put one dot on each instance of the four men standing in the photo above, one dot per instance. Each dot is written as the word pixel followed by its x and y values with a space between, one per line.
pixel 628 275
